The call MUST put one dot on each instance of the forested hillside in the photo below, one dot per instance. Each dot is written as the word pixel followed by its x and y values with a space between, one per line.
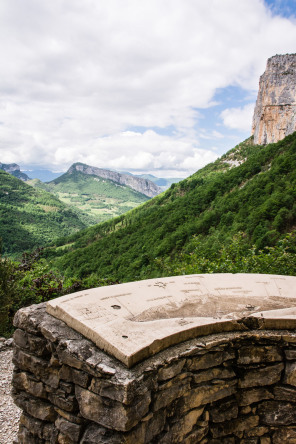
pixel 31 217
pixel 101 198
pixel 244 201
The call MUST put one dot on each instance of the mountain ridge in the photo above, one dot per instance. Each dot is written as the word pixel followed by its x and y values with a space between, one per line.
pixel 101 198
pixel 143 186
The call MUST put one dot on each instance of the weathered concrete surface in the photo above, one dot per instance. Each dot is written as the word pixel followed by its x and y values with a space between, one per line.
pixel 136 320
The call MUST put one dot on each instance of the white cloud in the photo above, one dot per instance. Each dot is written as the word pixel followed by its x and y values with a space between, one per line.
pixel 76 76
pixel 239 118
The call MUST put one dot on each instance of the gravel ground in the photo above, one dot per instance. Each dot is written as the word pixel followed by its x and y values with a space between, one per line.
pixel 9 412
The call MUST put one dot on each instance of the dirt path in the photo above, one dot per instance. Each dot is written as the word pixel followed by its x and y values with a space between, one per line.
pixel 9 412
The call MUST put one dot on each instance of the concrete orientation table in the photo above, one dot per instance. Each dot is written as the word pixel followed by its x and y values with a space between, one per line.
pixel 133 321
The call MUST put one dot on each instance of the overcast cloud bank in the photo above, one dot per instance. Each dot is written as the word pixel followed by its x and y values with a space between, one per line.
pixel 124 85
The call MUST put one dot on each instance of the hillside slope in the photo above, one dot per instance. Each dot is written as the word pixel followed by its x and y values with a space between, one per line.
pixel 251 189
pixel 31 217
pixel 101 198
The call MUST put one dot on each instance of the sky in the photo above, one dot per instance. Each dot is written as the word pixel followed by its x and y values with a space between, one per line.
pixel 155 86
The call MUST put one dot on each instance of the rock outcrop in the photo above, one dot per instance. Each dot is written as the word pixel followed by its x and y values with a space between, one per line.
pixel 144 186
pixel 275 111
pixel 14 170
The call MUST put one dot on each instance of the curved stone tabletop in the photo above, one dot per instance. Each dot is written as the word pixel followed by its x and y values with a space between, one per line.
pixel 135 320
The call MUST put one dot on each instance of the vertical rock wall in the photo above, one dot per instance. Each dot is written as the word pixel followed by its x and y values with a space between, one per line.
pixel 275 111
pixel 229 388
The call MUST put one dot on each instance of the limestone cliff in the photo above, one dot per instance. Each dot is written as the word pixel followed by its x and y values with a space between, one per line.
pixel 275 111
pixel 144 186
pixel 14 169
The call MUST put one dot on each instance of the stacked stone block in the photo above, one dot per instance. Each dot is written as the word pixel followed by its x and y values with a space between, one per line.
pixel 226 388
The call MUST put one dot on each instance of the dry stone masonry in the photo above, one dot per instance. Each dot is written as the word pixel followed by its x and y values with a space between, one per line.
pixel 227 387
pixel 275 111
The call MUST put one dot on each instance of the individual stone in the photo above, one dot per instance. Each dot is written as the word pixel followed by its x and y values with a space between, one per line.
pixel 276 413
pixel 166 396
pixel 290 373
pixel 24 381
pixel 183 427
pixel 155 425
pixel 29 318
pixel 291 354
pixel 253 440
pixel 72 417
pixel 171 371
pixel 285 435
pixel 30 363
pixel 35 407
pixel 25 437
pixel 257 431
pixel 196 436
pixel 21 338
pixel 210 360
pixel 207 394
pixel 50 433
pixel 261 376
pixel 265 440
pixel 245 410
pixel 248 397
pixel 63 401
pixel 123 390
pixel 34 425
pixel 76 376
pixel 68 429
pixel 252 354
pixel 285 393
pixel 224 411
pixel 214 373
pixel 66 387
pixel 235 426
pixel 95 434
pixel 110 413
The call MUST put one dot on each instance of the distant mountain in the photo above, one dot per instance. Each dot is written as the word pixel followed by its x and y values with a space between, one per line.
pixel 162 182
pixel 249 190
pixel 91 190
pixel 42 174
pixel 138 184
pixel 14 169
pixel 31 217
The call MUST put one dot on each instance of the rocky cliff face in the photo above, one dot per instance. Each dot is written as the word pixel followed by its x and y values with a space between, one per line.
pixel 275 111
pixel 14 169
pixel 143 186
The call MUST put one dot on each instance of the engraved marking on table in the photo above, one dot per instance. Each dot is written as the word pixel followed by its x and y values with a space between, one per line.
pixel 115 296
pixel 73 297
pixel 158 298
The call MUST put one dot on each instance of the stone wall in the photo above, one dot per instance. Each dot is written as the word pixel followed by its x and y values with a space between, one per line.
pixel 237 387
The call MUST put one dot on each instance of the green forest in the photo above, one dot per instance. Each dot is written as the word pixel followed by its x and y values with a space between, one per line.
pixel 255 199
pixel 237 214
pixel 31 217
